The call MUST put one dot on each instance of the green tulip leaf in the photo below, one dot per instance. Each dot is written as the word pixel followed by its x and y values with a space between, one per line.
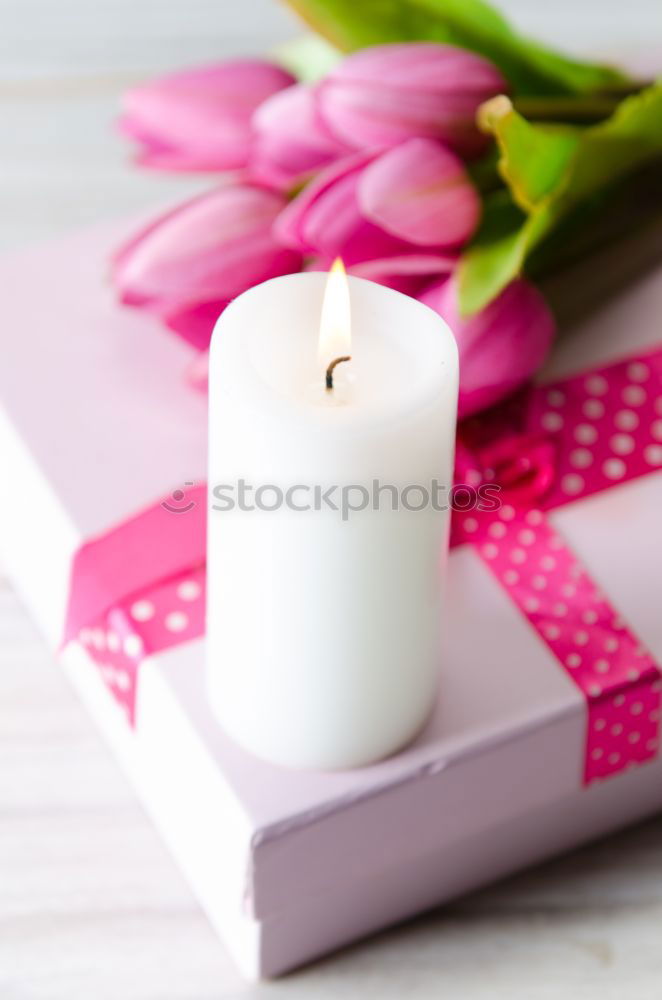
pixel 532 158
pixel 530 68
pixel 550 171
pixel 497 253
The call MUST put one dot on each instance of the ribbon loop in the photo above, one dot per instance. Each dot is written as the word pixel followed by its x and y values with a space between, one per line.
pixel 523 466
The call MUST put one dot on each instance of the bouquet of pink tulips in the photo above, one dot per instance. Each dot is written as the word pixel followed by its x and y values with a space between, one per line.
pixel 444 155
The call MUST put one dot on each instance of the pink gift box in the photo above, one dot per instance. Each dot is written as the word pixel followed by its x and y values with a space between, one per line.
pixel 97 423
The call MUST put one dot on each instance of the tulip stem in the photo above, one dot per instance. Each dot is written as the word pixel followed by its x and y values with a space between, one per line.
pixel 584 110
pixel 329 371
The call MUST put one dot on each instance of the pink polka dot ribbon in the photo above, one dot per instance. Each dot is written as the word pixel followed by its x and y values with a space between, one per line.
pixel 553 445
pixel 606 426
pixel 140 589
pixel 164 615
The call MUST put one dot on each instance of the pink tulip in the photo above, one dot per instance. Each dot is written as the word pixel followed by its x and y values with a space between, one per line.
pixel 420 192
pixel 290 140
pixel 193 323
pixel 501 347
pixel 375 205
pixel 199 119
pixel 379 96
pixel 408 273
pixel 326 219
pixel 189 263
pixel 197 373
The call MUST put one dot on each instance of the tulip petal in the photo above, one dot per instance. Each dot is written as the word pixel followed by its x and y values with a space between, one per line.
pixel 501 347
pixel 199 119
pixel 208 250
pixel 325 218
pixel 197 373
pixel 290 141
pixel 382 95
pixel 420 192
pixel 408 273
pixel 411 264
pixel 194 323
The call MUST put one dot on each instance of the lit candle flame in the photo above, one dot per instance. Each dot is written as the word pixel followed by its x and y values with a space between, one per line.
pixel 335 323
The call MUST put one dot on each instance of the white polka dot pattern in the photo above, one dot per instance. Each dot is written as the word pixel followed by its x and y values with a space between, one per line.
pixel 587 637
pixel 169 614
pixel 607 430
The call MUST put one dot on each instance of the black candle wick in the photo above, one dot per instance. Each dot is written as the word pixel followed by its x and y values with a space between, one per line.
pixel 329 371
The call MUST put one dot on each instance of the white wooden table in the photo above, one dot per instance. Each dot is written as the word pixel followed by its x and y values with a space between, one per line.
pixel 91 906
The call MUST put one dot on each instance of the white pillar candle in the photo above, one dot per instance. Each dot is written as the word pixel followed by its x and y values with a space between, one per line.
pixel 324 625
